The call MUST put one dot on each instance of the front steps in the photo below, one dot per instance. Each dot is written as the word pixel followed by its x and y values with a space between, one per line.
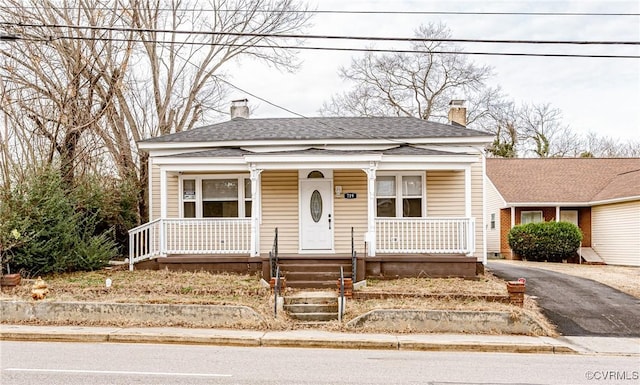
pixel 312 306
pixel 314 272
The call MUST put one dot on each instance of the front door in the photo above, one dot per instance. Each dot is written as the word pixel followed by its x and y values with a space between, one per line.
pixel 316 215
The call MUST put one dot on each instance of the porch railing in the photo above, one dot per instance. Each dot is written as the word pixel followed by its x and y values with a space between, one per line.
pixel 189 236
pixel 425 235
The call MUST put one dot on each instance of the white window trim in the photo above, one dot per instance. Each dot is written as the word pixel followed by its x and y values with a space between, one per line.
pixel 529 212
pixel 399 197
pixel 198 199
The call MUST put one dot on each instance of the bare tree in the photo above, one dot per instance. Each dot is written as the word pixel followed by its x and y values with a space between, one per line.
pixel 98 74
pixel 597 146
pixel 416 84
pixel 544 135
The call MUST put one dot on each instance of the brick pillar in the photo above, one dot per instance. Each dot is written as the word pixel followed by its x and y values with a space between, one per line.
pixel 516 292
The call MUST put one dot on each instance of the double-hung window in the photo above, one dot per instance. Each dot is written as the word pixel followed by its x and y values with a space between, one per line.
pixel 399 196
pixel 530 217
pixel 216 197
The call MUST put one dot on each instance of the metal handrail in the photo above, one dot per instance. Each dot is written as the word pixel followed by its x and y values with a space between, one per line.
pixel 354 260
pixel 273 255
pixel 341 307
pixel 276 292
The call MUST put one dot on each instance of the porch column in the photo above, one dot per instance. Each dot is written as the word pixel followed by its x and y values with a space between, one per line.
pixel 163 211
pixel 163 193
pixel 255 210
pixel 370 237
pixel 513 217
pixel 468 210
pixel 557 214
pixel 467 192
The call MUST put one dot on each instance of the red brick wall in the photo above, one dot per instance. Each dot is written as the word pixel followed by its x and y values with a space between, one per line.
pixel 505 226
pixel 549 214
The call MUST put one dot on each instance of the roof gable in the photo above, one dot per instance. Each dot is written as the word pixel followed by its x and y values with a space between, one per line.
pixel 564 180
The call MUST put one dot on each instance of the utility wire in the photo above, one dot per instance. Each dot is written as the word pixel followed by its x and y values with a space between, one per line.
pixel 341 49
pixel 323 37
pixel 367 12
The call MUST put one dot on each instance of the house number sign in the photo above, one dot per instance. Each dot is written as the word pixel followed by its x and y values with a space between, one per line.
pixel 350 195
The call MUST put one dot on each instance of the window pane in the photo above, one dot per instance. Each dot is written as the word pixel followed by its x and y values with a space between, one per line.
pixel 189 210
pixel 219 188
pixel 247 209
pixel 412 207
pixel 386 207
pixel 531 217
pixel 247 188
pixel 220 209
pixel 188 189
pixel 386 186
pixel 412 186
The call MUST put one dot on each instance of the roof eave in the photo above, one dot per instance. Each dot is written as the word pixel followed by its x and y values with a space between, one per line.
pixel 472 140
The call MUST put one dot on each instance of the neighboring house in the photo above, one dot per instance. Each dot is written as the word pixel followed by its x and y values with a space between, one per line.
pixel 404 194
pixel 601 196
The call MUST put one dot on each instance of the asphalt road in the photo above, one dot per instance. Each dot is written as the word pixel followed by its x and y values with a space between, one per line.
pixel 60 363
pixel 577 306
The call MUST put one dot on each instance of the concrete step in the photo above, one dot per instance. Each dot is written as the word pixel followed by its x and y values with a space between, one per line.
pixel 312 308
pixel 315 317
pixel 311 297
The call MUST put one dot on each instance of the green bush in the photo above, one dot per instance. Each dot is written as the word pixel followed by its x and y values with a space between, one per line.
pixel 59 234
pixel 545 241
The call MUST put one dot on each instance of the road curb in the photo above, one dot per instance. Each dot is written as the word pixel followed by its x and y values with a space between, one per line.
pixel 289 339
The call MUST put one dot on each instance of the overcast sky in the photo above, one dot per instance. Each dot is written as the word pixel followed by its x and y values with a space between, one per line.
pixel 594 95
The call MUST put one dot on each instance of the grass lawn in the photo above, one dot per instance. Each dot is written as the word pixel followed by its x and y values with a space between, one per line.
pixel 170 287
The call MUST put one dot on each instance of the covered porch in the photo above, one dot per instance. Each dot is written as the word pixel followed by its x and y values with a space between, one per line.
pixel 387 206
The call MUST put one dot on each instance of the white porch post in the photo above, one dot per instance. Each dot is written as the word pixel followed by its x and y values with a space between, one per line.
pixel 163 210
pixel 467 192
pixel 255 210
pixel 513 217
pixel 557 214
pixel 468 208
pixel 371 208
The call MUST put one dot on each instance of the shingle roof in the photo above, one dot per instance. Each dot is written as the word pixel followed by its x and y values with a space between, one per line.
pixel 240 129
pixel 558 180
pixel 224 152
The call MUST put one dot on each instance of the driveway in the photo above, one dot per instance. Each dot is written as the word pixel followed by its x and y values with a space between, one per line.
pixel 577 306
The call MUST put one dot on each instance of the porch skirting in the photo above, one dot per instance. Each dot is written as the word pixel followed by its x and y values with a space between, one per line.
pixel 378 267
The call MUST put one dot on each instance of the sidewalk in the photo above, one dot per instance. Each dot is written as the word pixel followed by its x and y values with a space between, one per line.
pixel 323 339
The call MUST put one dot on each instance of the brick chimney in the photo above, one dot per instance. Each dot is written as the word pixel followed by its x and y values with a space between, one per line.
pixel 239 109
pixel 457 113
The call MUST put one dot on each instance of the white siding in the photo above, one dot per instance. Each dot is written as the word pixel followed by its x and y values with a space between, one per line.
pixel 494 204
pixel 616 233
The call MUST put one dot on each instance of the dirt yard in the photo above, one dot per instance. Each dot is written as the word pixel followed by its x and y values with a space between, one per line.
pixel 226 289
pixel 623 278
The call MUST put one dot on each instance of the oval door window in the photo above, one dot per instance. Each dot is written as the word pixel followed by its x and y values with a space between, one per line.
pixel 316 206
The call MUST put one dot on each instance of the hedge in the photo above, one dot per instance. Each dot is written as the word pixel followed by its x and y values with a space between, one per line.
pixel 545 241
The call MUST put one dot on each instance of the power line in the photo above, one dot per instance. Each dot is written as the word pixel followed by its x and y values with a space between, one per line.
pixel 371 12
pixel 323 37
pixel 374 50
